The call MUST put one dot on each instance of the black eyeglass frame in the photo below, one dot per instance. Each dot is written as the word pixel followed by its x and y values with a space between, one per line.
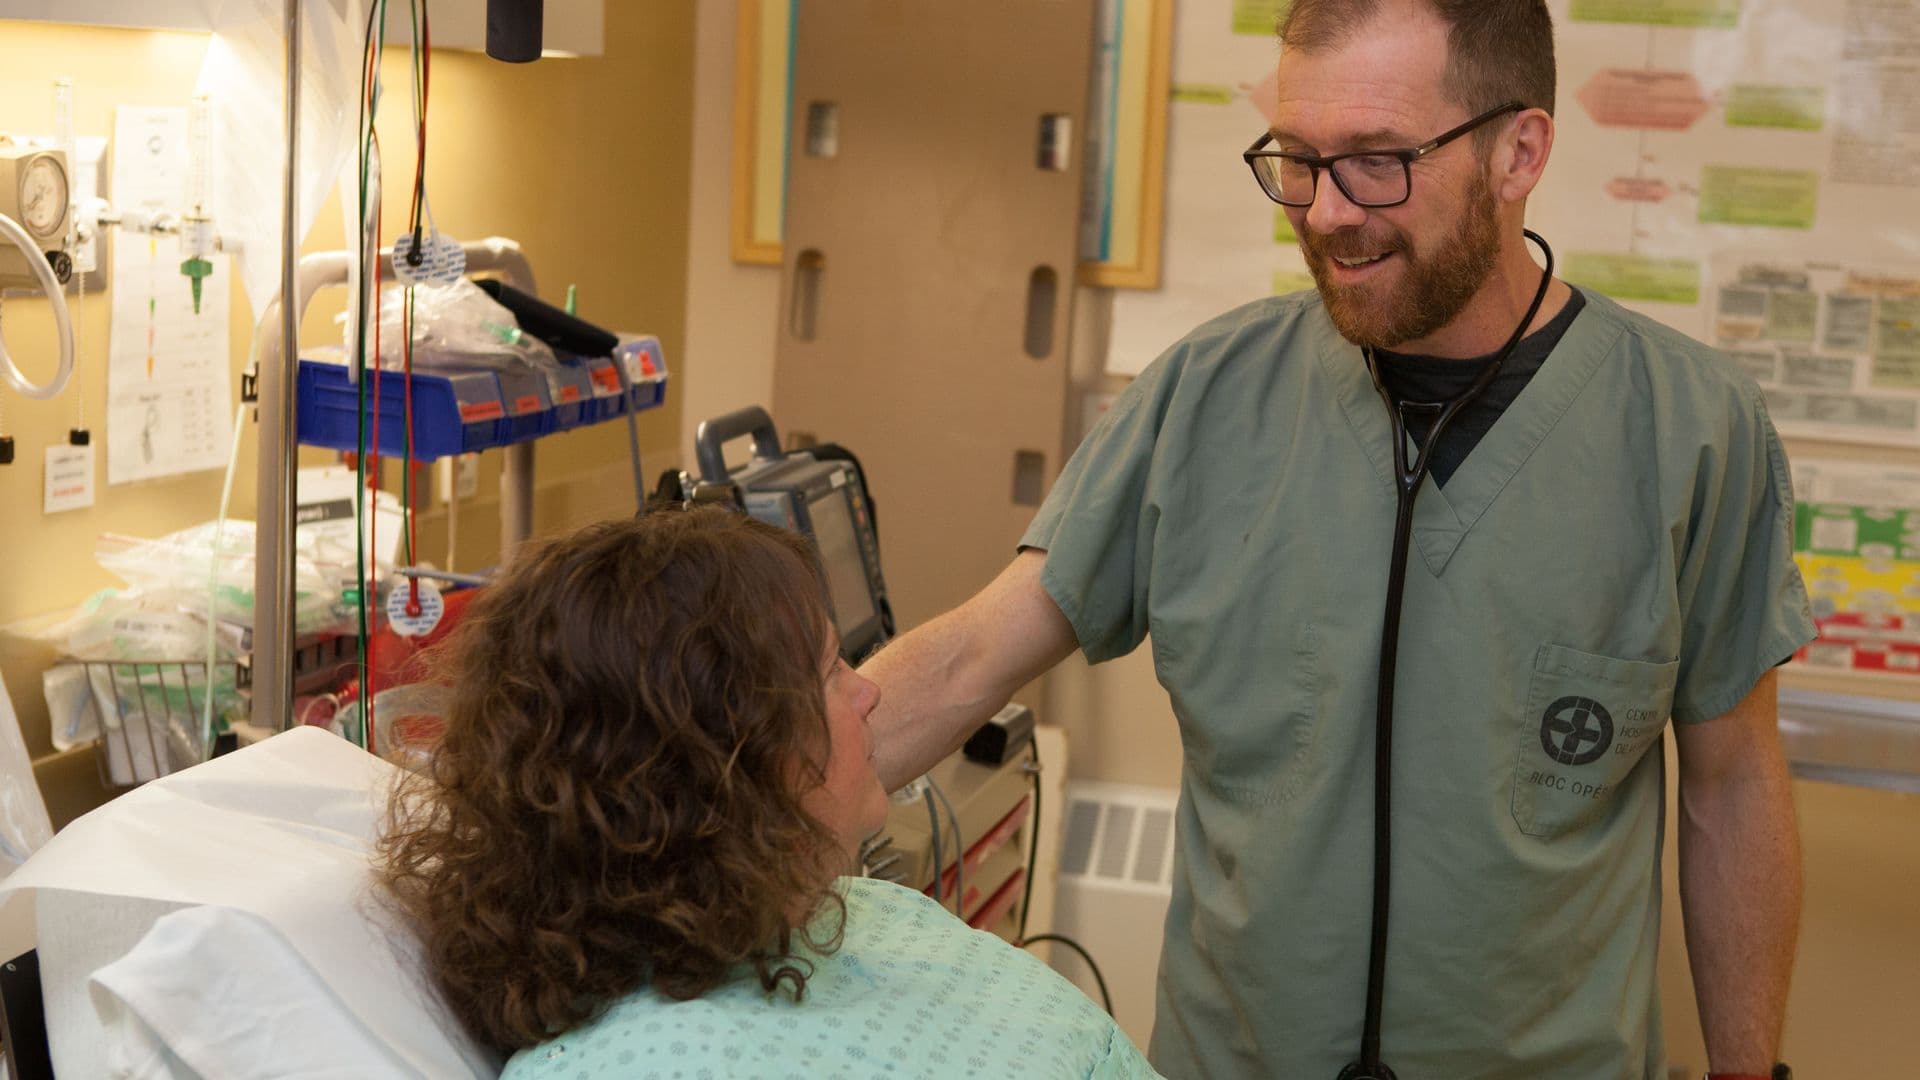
pixel 1406 155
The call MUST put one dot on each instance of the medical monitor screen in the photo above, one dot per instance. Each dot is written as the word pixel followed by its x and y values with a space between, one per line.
pixel 840 554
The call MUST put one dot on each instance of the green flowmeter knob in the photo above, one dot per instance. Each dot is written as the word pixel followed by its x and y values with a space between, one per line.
pixel 197 270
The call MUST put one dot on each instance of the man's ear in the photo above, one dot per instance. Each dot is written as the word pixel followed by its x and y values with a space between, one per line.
pixel 1521 156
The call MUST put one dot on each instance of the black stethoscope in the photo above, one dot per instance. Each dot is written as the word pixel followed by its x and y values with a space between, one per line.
pixel 1407 485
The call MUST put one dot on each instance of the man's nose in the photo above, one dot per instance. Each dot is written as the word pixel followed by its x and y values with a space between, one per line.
pixel 1331 209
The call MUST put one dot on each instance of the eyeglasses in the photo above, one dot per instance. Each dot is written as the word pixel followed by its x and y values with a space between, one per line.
pixel 1369 178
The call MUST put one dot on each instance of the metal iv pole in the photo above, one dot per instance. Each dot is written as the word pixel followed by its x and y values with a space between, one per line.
pixel 274 472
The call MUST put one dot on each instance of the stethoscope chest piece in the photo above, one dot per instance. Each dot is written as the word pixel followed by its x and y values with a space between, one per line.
pixel 1359 1071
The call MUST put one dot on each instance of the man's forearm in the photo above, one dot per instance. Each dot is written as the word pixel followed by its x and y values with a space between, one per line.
pixel 930 699
pixel 939 683
pixel 1740 883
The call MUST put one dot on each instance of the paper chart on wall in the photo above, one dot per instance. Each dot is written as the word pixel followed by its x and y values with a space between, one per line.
pixel 1836 348
pixel 1694 139
pixel 1218 227
pixel 1857 541
pixel 168 377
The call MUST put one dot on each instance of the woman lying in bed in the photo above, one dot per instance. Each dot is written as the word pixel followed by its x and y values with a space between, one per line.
pixel 626 856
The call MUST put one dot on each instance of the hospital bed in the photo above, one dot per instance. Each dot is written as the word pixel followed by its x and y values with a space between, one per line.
pixel 223 922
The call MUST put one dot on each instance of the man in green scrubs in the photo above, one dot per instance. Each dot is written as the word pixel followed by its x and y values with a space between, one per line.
pixel 1604 545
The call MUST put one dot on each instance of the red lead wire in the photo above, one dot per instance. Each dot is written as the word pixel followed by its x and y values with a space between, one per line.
pixel 413 486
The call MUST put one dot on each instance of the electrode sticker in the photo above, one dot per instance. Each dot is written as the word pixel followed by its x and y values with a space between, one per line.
pixel 420 621
pixel 442 260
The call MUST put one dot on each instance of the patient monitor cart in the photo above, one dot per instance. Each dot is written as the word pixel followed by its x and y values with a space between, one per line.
pixel 820 492
pixel 993 809
pixel 824 499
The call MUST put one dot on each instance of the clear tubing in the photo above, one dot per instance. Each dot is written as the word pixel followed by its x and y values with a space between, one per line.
pixel 62 321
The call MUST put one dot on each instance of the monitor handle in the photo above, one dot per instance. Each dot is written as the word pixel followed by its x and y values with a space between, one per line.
pixel 713 435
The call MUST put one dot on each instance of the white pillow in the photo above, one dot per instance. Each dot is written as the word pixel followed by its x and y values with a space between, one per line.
pixel 271 843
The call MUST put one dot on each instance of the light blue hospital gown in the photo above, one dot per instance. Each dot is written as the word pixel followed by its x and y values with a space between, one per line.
pixel 911 992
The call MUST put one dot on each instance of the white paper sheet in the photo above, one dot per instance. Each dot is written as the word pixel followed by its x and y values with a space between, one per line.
pixel 168 375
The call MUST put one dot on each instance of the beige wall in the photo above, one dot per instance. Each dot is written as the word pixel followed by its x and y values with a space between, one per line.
pixel 1116 716
pixel 585 162
pixel 730 315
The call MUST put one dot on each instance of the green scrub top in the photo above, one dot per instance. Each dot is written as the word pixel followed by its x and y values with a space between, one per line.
pixel 1615 551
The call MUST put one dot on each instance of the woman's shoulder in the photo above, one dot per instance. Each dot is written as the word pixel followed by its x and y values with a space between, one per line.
pixel 911 991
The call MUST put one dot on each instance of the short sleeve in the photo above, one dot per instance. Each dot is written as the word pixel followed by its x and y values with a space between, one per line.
pixel 1744 605
pixel 1097 524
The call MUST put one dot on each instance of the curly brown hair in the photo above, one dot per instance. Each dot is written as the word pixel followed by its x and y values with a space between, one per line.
pixel 635 709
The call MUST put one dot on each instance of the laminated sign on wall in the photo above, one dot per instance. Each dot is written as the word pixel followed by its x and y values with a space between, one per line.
pixel 1856 536
pixel 1745 171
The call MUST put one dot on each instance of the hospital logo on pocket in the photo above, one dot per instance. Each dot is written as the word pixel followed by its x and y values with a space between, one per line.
pixel 1576 730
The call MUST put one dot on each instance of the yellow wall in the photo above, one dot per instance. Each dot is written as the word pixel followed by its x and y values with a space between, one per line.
pixel 584 162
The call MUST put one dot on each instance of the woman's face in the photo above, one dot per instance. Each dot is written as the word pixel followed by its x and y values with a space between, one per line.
pixel 850 801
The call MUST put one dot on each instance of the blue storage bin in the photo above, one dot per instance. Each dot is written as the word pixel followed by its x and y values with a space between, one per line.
pixel 453 412
pixel 572 389
pixel 457 412
pixel 528 405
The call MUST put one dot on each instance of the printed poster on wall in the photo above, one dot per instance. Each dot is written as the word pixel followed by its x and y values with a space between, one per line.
pixel 1856 537
pixel 1706 152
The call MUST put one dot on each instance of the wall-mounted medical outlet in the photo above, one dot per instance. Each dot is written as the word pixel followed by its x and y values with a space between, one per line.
pixel 89 177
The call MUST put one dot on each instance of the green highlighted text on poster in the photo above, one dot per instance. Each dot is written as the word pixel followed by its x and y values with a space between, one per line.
pixel 1260 17
pixel 1896 344
pixel 1791 314
pixel 1202 94
pixel 1283 227
pixel 1738 195
pixel 1840 530
pixel 1716 14
pixel 1795 108
pixel 1636 277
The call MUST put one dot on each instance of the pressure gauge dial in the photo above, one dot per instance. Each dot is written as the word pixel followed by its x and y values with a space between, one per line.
pixel 43 196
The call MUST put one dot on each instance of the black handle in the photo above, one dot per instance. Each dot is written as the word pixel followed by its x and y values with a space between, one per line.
pixel 714 434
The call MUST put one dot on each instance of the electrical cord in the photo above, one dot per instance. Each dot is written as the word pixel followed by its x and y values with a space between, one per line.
pixel 1026 899
pixel 369 185
pixel 933 822
pixel 1106 1000
pixel 1033 837
pixel 959 854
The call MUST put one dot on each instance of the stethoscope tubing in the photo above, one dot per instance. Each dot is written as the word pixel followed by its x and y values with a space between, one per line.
pixel 1407 480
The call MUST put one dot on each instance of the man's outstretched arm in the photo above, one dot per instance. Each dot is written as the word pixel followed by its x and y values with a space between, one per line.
pixel 939 683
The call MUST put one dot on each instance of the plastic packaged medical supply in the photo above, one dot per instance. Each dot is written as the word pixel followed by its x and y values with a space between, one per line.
pixel 173 570
pixel 24 824
pixel 140 679
pixel 458 325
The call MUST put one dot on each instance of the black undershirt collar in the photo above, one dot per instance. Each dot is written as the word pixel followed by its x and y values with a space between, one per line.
pixel 1409 377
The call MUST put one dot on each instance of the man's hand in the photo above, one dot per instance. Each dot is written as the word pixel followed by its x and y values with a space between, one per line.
pixel 1739 878
pixel 939 683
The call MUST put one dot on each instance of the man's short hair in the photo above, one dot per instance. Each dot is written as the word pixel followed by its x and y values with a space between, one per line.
pixel 1497 50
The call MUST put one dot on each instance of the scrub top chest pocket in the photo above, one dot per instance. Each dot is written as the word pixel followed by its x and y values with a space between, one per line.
pixel 1588 721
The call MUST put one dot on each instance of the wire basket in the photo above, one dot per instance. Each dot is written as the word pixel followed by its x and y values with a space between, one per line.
pixel 152 716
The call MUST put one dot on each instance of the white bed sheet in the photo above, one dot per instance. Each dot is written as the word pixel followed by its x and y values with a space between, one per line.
pixel 279 832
